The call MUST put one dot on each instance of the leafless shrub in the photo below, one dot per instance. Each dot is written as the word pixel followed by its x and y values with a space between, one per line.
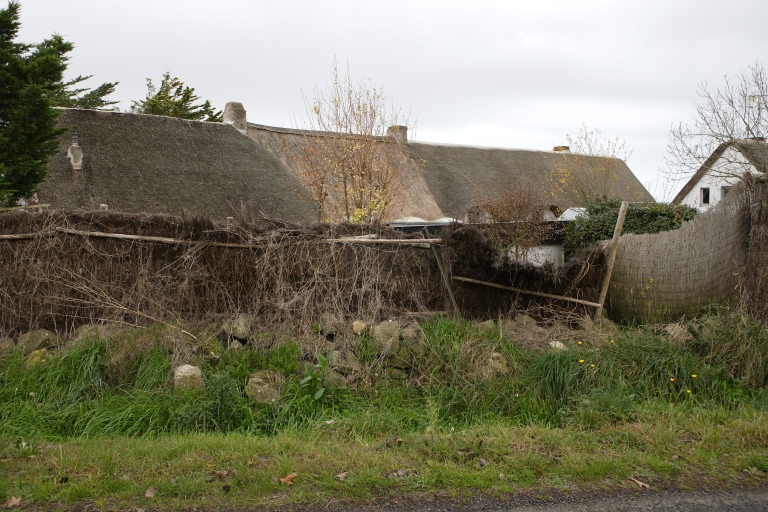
pixel 513 217
pixel 282 276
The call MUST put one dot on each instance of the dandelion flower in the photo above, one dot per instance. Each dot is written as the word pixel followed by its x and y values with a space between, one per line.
pixel 694 375
pixel 579 343
pixel 581 360
pixel 687 390
pixel 592 365
pixel 671 380
pixel 611 341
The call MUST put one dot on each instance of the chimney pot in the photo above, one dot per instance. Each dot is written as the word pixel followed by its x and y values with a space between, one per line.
pixel 399 133
pixel 234 114
pixel 75 153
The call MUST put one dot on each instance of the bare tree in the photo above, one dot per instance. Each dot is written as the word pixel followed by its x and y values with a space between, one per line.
pixel 730 115
pixel 514 218
pixel 591 171
pixel 348 161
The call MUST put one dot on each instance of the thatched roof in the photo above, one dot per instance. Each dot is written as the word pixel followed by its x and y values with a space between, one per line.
pixel 458 175
pixel 414 199
pixel 452 177
pixel 141 163
pixel 755 152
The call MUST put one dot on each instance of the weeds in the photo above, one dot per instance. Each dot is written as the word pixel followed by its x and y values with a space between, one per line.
pixel 77 393
pixel 636 402
pixel 733 340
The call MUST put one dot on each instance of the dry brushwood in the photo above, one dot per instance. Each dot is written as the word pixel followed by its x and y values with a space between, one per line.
pixel 286 275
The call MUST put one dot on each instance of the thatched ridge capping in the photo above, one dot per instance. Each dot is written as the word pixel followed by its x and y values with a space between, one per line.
pixel 317 133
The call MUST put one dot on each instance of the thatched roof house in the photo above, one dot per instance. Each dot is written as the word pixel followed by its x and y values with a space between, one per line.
pixel 448 180
pixel 141 163
pixel 458 175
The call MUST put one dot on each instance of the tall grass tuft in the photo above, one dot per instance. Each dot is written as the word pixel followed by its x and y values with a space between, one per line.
pixel 734 340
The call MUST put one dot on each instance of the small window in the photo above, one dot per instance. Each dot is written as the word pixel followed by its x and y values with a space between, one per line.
pixel 724 190
pixel 705 195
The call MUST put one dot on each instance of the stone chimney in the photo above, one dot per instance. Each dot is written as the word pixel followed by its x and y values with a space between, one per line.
pixel 399 133
pixel 234 114
pixel 75 153
pixel 562 149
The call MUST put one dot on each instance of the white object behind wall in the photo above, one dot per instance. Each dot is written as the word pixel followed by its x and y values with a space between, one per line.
pixel 724 174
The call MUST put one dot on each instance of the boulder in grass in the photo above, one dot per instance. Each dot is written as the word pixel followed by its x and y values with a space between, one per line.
pixel 7 346
pixel 36 357
pixel 359 327
pixel 263 387
pixel 37 339
pixel 412 348
pixel 345 362
pixel 557 345
pixel 386 338
pixel 413 333
pixel 86 331
pixel 495 364
pixel 187 378
pixel 238 327
pixel 396 374
pixel 235 346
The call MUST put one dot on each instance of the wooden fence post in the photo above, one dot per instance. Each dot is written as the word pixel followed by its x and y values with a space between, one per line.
pixel 611 257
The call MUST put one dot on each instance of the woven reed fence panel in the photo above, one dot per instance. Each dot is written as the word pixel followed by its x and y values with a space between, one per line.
pixel 754 278
pixel 663 277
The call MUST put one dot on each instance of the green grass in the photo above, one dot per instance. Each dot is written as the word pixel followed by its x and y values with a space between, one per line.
pixel 100 422
pixel 673 444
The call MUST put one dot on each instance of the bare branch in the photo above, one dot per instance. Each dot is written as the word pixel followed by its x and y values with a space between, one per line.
pixel 736 111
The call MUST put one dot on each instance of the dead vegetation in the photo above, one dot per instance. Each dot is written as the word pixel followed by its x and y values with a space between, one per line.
pixel 61 270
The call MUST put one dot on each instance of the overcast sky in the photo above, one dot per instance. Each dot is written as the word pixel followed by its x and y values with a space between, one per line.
pixel 488 73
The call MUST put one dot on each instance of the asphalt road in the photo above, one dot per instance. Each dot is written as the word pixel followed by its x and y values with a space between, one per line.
pixel 740 499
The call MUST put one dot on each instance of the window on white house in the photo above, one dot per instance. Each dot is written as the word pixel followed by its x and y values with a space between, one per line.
pixel 724 190
pixel 704 195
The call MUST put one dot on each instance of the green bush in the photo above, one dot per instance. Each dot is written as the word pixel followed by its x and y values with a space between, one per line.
pixel 600 219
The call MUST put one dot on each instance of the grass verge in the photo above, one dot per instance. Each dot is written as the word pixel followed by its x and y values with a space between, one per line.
pixel 677 443
pixel 98 422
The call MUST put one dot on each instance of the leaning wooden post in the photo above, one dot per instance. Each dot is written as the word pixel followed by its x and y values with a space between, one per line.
pixel 611 257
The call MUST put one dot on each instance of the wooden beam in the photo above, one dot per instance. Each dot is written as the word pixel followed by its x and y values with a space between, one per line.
pixel 23 236
pixel 612 257
pixel 423 243
pixel 27 207
pixel 446 283
pixel 527 292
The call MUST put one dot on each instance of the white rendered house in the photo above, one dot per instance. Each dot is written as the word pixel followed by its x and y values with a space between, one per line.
pixel 723 170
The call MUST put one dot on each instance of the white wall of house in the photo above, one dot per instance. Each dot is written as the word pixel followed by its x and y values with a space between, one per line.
pixel 724 174
pixel 540 255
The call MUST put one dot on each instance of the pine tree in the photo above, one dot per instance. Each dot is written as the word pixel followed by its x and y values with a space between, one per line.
pixel 29 76
pixel 83 97
pixel 174 99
